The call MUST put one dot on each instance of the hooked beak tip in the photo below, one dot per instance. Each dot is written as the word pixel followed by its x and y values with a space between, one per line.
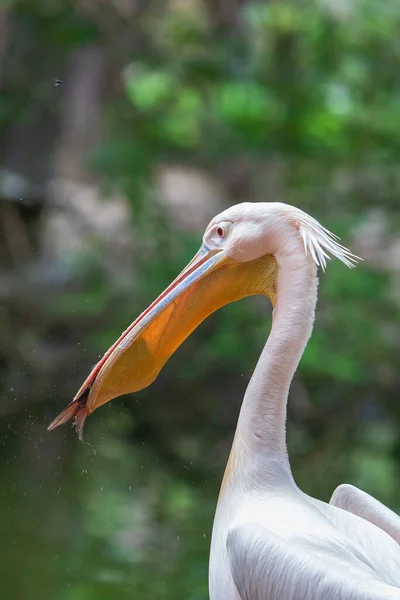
pixel 76 410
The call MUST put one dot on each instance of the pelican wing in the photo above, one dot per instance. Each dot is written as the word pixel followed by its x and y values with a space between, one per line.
pixel 265 566
pixel 355 501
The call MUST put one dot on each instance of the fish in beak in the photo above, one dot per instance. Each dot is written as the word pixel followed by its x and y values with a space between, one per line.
pixel 211 280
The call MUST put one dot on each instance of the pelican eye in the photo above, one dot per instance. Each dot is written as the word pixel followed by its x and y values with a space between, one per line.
pixel 220 231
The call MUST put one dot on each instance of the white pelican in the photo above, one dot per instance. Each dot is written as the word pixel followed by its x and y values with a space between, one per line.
pixel 270 541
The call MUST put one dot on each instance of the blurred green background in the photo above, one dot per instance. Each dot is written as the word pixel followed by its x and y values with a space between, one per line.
pixel 169 111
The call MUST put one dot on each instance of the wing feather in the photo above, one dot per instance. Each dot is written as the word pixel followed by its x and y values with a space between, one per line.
pixel 265 566
pixel 354 500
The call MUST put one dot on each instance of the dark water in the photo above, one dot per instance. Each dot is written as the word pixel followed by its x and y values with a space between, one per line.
pixel 101 521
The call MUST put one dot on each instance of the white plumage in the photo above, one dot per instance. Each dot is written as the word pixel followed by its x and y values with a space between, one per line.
pixel 318 241
pixel 270 540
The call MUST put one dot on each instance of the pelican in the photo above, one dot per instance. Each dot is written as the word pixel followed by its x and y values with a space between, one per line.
pixel 270 541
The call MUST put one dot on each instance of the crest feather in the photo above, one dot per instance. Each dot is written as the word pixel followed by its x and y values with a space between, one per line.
pixel 322 244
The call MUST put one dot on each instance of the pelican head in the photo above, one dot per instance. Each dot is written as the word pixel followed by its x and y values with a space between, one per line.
pixel 239 257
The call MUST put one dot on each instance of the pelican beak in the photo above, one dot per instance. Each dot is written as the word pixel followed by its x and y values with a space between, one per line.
pixel 210 281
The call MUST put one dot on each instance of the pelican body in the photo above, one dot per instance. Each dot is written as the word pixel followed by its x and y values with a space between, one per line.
pixel 270 541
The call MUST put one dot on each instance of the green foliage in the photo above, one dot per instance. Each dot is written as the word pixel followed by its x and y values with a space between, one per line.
pixel 149 90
